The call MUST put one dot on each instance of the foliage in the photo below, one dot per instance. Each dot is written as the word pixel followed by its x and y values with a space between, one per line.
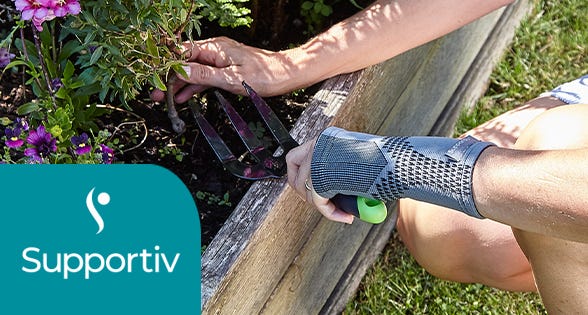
pixel 316 11
pixel 211 198
pixel 78 54
pixel 22 144
pixel 545 53
pixel 128 44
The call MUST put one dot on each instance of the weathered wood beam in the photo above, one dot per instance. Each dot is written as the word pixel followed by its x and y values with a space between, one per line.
pixel 275 254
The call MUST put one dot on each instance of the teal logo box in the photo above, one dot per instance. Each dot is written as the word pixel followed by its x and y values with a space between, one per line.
pixel 97 239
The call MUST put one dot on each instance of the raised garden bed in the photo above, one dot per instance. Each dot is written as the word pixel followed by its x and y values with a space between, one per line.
pixel 274 254
pixel 277 255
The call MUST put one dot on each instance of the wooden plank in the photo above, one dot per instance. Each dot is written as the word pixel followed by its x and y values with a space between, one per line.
pixel 275 254
pixel 439 75
pixel 267 228
pixel 475 82
pixel 467 90
pixel 335 250
pixel 368 252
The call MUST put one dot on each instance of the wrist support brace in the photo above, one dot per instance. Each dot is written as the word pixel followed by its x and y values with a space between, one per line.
pixel 436 170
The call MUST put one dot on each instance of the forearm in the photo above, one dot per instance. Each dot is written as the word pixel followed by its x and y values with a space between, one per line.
pixel 381 31
pixel 538 191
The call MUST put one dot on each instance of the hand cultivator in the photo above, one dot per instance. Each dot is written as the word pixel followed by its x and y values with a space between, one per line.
pixel 267 165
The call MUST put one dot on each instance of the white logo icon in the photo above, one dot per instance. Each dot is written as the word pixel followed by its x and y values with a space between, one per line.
pixel 103 199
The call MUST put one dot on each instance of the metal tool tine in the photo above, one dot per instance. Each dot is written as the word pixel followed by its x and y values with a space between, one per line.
pixel 249 139
pixel 224 154
pixel 276 127
pixel 219 147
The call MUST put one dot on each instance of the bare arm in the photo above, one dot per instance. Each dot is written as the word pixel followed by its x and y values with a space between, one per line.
pixel 385 29
pixel 538 191
pixel 381 31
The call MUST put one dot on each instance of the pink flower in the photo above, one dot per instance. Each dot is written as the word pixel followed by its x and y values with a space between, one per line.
pixel 40 11
pixel 64 7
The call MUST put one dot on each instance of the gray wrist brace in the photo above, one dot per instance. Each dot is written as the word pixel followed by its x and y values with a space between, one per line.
pixel 432 169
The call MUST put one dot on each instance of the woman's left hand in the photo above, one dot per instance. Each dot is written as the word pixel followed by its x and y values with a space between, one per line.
pixel 298 160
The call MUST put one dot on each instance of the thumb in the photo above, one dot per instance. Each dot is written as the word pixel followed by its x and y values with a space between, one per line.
pixel 203 75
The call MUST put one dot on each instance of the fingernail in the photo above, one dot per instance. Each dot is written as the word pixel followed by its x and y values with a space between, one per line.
pixel 188 71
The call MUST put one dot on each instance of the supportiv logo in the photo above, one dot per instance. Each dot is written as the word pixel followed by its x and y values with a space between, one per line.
pixel 103 199
pixel 123 234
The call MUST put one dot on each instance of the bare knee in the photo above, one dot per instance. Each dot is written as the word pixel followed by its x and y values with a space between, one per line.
pixel 563 127
pixel 455 247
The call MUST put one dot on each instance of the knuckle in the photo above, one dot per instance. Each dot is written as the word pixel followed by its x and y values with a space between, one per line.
pixel 201 74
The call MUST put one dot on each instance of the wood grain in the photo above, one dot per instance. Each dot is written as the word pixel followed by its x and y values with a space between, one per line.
pixel 275 254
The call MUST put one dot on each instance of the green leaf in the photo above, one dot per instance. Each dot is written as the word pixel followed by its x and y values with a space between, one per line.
pixel 27 108
pixel 5 121
pixel 56 131
pixel 307 5
pixel 157 83
pixel 76 84
pixel 61 93
pixel 16 63
pixel 96 55
pixel 71 47
pixel 318 7
pixel 152 47
pixel 68 71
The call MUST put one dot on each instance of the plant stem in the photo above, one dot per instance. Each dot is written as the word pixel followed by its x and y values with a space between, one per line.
pixel 26 55
pixel 177 123
pixel 185 23
pixel 43 67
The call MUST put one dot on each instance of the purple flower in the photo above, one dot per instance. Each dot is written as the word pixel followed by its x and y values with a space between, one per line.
pixel 5 57
pixel 42 144
pixel 107 154
pixel 12 138
pixel 56 84
pixel 81 144
pixel 21 123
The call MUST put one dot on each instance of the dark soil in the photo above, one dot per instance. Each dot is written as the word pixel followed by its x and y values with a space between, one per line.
pixel 215 191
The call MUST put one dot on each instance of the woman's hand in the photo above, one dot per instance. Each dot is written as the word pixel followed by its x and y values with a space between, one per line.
pixel 298 160
pixel 224 63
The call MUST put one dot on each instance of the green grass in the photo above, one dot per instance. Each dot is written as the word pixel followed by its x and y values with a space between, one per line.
pixel 549 48
pixel 397 285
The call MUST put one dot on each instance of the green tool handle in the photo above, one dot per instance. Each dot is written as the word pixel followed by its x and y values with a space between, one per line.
pixel 367 210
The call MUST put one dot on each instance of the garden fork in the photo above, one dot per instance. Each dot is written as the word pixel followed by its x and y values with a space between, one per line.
pixel 267 165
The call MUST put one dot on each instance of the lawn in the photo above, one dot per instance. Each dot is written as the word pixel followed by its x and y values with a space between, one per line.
pixel 549 48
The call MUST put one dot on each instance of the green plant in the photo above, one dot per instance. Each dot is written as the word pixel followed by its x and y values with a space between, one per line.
pixel 314 13
pixel 130 44
pixel 173 150
pixel 211 198
pixel 76 54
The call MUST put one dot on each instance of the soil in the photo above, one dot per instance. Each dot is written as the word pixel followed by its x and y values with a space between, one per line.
pixel 151 139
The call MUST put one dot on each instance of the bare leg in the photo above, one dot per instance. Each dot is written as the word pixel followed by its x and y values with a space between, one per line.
pixel 454 246
pixel 560 267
